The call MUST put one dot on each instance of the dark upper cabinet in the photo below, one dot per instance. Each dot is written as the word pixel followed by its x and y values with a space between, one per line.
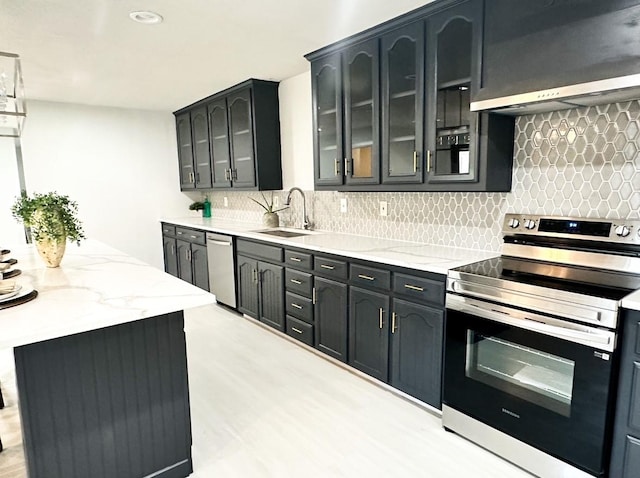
pixel 531 46
pixel 242 143
pixel 403 104
pixel 360 66
pixel 465 151
pixel 326 77
pixel 185 151
pixel 428 69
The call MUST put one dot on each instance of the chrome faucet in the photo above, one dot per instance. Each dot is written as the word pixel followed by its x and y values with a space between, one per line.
pixel 306 224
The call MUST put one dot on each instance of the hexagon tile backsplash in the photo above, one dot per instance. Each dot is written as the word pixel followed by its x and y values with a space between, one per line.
pixel 582 162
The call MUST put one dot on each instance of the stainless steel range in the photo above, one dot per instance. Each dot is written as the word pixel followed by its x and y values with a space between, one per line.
pixel 530 352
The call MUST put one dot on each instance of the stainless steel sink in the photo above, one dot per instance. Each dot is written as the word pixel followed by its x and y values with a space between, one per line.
pixel 283 232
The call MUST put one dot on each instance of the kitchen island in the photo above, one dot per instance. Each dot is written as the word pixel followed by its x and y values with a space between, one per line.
pixel 100 365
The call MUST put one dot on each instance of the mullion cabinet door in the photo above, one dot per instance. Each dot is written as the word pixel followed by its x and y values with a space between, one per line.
pixel 361 113
pixel 326 77
pixel 185 151
pixel 369 318
pixel 219 143
pixel 403 105
pixel 201 153
pixel 243 173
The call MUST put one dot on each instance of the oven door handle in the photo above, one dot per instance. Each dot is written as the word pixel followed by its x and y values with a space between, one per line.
pixel 590 336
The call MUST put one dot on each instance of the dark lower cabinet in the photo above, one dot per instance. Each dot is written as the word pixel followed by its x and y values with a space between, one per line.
pixel 369 319
pixel 170 255
pixel 261 291
pixel 625 456
pixel 330 315
pixel 199 266
pixel 185 271
pixel 185 255
pixel 416 350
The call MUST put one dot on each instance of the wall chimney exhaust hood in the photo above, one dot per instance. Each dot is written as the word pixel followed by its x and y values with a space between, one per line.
pixel 611 90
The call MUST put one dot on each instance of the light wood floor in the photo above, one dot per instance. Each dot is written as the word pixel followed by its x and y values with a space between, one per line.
pixel 264 407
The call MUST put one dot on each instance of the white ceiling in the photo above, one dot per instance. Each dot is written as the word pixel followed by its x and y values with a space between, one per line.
pixel 90 52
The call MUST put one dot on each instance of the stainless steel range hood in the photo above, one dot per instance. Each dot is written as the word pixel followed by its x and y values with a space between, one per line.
pixel 611 90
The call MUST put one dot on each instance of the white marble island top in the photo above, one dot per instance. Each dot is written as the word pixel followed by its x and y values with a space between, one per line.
pixel 96 286
pixel 413 255
pixel 632 301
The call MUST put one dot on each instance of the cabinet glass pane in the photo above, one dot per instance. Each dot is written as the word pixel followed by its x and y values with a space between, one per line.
pixel 402 107
pixel 361 109
pixel 453 76
pixel 327 98
pixel 219 141
pixel 241 138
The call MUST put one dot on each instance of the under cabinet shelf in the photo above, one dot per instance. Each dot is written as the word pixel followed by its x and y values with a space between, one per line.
pixel 331 111
pixel 241 132
pixel 360 104
pixel 401 139
pixel 457 82
pixel 402 94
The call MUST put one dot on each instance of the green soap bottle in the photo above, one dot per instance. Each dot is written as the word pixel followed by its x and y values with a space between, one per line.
pixel 206 212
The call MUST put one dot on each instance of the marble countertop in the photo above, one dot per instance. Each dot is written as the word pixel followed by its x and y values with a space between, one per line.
pixel 96 286
pixel 419 256
pixel 632 301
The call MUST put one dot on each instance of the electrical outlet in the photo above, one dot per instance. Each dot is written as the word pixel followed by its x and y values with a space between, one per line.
pixel 276 201
pixel 225 201
pixel 383 208
pixel 343 205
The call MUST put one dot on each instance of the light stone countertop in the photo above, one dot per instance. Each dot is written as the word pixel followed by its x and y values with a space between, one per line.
pixel 413 255
pixel 96 286
pixel 632 301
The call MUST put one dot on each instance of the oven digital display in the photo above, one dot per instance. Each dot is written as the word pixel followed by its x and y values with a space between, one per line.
pixel 567 226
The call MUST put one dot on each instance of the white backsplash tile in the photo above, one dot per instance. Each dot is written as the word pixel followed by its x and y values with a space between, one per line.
pixel 581 162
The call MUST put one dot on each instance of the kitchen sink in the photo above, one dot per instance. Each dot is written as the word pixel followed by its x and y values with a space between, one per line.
pixel 283 233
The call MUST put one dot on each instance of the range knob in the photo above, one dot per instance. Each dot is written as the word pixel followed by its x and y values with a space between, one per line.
pixel 513 223
pixel 529 224
pixel 622 231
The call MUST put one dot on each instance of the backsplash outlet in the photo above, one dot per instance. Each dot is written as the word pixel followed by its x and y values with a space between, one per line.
pixel 581 162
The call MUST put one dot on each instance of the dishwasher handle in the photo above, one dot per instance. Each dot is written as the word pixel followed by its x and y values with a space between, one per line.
pixel 218 243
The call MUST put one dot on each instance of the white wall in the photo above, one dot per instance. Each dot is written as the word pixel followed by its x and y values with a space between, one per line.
pixel 296 132
pixel 11 232
pixel 119 165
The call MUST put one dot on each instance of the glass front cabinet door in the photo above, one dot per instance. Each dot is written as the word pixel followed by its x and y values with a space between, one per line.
pixel 326 76
pixel 402 104
pixel 241 132
pixel 451 129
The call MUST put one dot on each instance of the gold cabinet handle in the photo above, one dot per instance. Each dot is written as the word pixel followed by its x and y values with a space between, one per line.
pixel 189 255
pixel 346 167
pixel 179 233
pixel 299 307
pixel 337 165
pixel 295 259
pixel 428 160
pixel 380 316
pixel 313 296
pixel 413 287
pixel 325 266
pixel 362 276
pixel 393 322
pixel 415 161
pixel 193 237
pixel 173 249
pixel 295 281
pixel 255 276
pixel 296 330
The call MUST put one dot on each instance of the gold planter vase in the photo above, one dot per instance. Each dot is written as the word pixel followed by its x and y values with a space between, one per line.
pixel 51 251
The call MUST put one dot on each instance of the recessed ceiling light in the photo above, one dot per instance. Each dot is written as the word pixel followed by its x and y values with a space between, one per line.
pixel 146 17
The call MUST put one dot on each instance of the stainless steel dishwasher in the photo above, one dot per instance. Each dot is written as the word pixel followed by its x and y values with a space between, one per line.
pixel 222 277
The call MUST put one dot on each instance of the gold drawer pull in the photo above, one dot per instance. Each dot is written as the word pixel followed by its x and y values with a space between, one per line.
pixel 414 287
pixel 193 237
pixel 295 259
pixel 293 304
pixel 393 323
pixel 362 276
pixel 296 330
pixel 295 281
pixel 325 266
pixel 380 316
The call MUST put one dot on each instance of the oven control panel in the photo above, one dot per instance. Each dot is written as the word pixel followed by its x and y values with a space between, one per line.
pixel 625 231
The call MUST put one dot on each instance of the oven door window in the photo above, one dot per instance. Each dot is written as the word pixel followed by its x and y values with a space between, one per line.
pixel 538 377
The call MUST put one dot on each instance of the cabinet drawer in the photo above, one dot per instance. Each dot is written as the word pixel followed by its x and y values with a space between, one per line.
pixel 420 288
pixel 168 230
pixel 330 267
pixel 299 282
pixel 257 249
pixel 370 277
pixel 300 330
pixel 299 260
pixel 191 235
pixel 300 307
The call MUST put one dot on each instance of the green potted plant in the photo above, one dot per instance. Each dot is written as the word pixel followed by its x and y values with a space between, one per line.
pixel 53 220
pixel 270 217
